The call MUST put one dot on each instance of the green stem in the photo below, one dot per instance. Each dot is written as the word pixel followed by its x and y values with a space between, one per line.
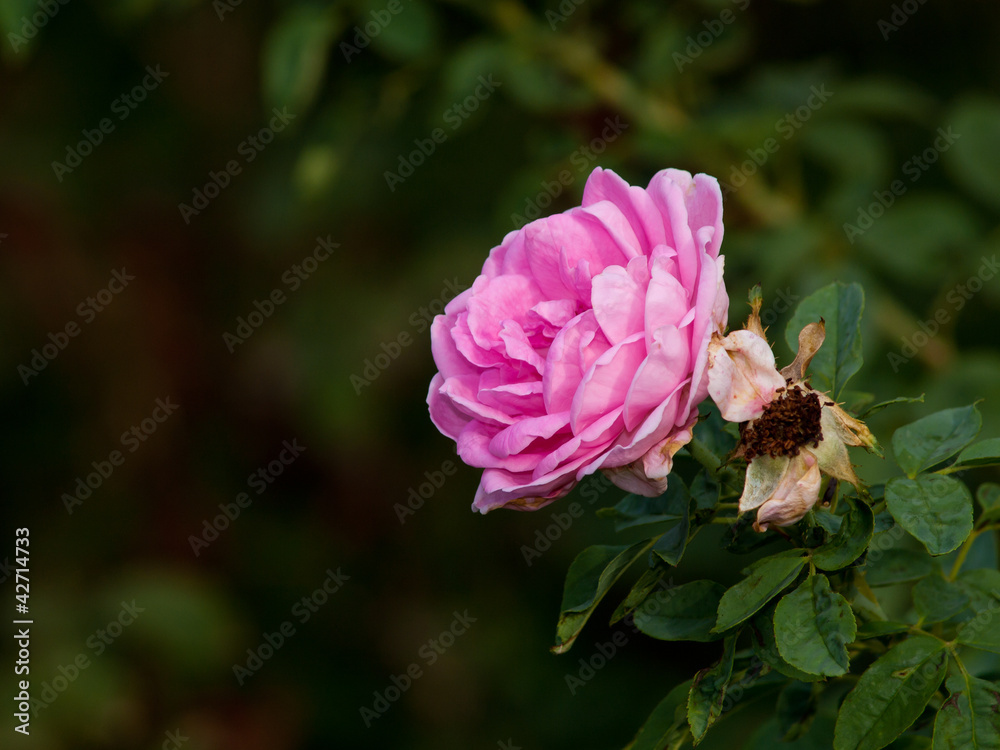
pixel 700 453
pixel 728 520
pixel 964 552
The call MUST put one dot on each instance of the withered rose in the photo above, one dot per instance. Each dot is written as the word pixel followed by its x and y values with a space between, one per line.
pixel 790 433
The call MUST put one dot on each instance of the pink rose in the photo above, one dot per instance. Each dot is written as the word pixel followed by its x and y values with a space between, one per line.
pixel 583 343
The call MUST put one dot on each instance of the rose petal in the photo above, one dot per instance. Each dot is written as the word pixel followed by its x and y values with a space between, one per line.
pixel 795 495
pixel 502 298
pixel 574 350
pixel 741 375
pixel 445 415
pixel 633 202
pixel 618 303
pixel 606 383
pixel 660 373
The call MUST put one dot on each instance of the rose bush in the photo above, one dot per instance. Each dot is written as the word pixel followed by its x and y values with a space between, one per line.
pixel 583 343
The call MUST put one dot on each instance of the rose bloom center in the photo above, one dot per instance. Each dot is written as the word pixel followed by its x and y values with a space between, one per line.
pixel 790 422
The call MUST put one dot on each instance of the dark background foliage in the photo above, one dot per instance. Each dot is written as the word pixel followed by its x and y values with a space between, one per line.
pixel 699 85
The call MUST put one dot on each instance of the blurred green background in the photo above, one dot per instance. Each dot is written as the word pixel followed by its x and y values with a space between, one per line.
pixel 809 111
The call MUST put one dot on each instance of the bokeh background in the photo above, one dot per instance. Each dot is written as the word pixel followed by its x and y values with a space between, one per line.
pixel 342 364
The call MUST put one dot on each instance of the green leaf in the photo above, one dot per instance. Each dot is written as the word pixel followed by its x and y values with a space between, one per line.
pixel 884 568
pixel 974 160
pixel 740 537
pixel 409 33
pixel 769 577
pixel 829 522
pixel 794 552
pixel 936 599
pixel 666 726
pixel 840 306
pixel 970 718
pixel 705 490
pixel 982 586
pixel 929 441
pixel 891 694
pixel 983 630
pixel 935 509
pixel 590 576
pixel 812 626
pixel 983 453
pixel 708 691
pixel 294 56
pixel 854 402
pixel 649 513
pixel 670 548
pixel 766 649
pixel 770 737
pixel 642 588
pixel 879 628
pixel 795 710
pixel 713 431
pixel 988 497
pixel 883 404
pixel 850 541
pixel 682 613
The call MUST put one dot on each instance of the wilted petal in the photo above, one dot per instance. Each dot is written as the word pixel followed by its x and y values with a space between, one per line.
pixel 810 340
pixel 742 378
pixel 795 495
pixel 763 477
pixel 831 451
pixel 852 431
